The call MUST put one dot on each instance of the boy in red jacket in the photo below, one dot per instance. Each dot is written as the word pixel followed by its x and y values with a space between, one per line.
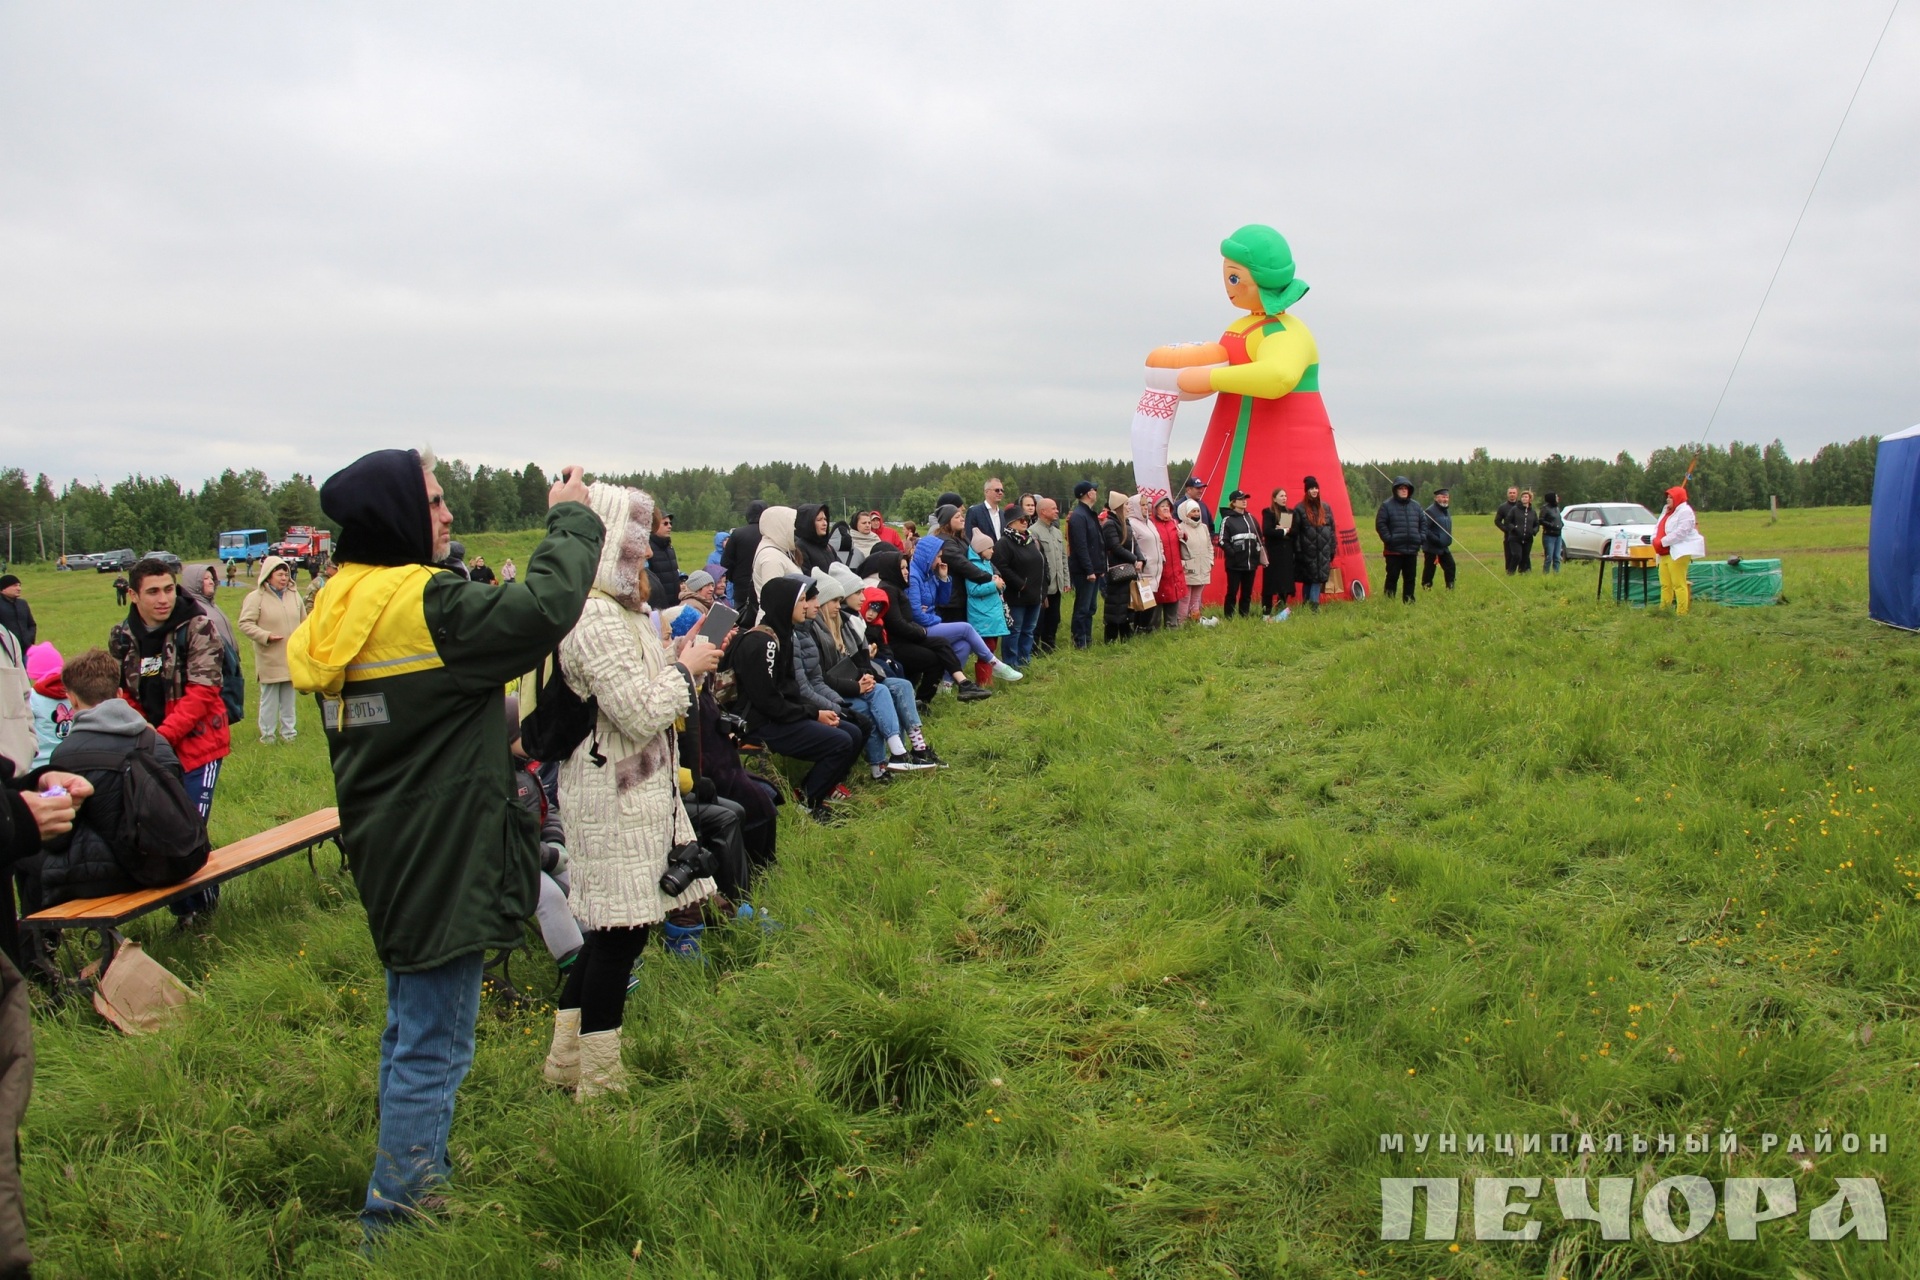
pixel 170 669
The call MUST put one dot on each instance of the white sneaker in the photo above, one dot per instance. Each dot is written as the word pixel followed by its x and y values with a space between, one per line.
pixel 1209 622
pixel 1281 616
pixel 1005 672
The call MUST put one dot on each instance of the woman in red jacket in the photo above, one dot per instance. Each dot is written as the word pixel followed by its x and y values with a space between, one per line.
pixel 1172 588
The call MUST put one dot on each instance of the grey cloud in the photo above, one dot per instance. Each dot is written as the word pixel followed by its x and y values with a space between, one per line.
pixel 280 236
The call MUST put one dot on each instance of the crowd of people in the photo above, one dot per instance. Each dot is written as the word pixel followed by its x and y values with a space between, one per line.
pixel 611 798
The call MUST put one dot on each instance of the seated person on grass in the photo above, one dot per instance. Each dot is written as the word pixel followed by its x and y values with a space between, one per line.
pixel 770 699
pixel 558 928
pixel 101 855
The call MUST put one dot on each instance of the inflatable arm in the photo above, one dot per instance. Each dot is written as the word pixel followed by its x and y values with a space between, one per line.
pixel 1153 416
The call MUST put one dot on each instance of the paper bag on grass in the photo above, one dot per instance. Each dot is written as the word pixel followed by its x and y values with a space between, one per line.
pixel 137 993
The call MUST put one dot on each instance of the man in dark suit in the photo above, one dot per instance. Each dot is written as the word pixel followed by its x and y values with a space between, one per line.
pixel 985 516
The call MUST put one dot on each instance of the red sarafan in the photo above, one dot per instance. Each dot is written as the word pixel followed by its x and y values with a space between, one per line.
pixel 1269 428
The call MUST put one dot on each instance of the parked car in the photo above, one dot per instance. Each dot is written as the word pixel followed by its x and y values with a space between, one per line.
pixel 171 560
pixel 115 561
pixel 1590 527
pixel 75 560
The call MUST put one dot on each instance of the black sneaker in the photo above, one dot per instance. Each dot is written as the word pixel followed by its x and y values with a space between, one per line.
pixel 824 815
pixel 971 692
pixel 929 759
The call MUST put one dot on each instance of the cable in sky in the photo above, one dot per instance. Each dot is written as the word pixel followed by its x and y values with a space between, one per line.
pixel 1741 355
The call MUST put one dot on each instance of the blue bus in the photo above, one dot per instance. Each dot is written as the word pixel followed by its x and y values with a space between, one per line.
pixel 249 545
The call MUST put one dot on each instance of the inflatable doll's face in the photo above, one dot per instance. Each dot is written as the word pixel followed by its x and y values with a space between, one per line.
pixel 1242 292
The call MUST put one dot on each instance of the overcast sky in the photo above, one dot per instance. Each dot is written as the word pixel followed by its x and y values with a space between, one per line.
pixel 648 236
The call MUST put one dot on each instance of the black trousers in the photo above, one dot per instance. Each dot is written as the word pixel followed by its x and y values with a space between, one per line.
pixel 597 982
pixel 1511 546
pixel 925 664
pixel 1526 555
pixel 1400 569
pixel 1276 584
pixel 1442 558
pixel 1118 617
pixel 832 749
pixel 1240 588
pixel 721 825
pixel 1048 631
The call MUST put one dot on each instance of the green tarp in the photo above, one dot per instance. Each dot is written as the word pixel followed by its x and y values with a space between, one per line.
pixel 1747 583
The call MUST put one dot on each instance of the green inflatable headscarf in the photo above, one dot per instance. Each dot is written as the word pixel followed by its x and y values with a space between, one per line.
pixel 1264 251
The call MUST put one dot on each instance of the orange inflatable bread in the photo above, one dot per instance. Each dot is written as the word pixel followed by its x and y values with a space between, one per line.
pixel 1186 355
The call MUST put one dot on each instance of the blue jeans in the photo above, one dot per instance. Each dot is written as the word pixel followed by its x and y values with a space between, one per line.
pixel 1313 590
pixel 424 1055
pixel 1086 598
pixel 1556 553
pixel 1019 645
pixel 963 638
pixel 890 707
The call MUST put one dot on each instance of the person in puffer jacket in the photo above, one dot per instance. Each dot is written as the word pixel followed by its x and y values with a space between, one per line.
pixel 1401 525
pixel 931 593
pixel 1439 538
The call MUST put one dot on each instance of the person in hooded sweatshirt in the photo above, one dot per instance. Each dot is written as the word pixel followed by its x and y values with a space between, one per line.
pixel 410 664
pixel 268 615
pixel 811 528
pixel 1402 527
pixel 765 687
pixel 774 556
pixel 85 863
pixel 1196 559
pixel 620 801
pixel 736 558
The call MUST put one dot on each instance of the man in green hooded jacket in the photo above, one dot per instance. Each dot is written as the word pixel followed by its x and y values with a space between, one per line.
pixel 410 662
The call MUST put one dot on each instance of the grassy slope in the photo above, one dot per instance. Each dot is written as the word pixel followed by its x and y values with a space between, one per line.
pixel 1132 988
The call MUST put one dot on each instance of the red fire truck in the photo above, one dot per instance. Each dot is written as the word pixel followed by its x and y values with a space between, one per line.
pixel 305 547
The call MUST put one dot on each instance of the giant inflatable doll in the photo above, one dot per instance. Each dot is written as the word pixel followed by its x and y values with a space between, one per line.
pixel 1269 428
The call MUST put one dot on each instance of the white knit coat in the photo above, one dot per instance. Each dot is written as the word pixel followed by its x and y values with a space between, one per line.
pixel 622 817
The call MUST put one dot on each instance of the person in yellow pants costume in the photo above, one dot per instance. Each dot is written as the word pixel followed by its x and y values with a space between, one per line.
pixel 1677 540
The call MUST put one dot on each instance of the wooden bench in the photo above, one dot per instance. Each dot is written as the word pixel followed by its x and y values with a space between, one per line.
pixel 105 915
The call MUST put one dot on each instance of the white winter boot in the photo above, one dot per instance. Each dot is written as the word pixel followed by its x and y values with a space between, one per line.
pixel 601 1070
pixel 563 1059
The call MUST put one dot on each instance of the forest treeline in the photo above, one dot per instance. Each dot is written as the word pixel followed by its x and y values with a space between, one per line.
pixel 152 513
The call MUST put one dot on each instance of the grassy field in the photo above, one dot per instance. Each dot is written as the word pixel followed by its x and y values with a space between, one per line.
pixel 1134 988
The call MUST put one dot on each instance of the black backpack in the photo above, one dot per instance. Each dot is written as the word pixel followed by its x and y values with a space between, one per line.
pixel 560 720
pixel 160 838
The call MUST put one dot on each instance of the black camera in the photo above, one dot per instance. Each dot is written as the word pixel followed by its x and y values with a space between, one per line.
pixel 685 864
pixel 734 727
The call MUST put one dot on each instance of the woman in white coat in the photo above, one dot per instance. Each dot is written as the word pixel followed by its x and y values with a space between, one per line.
pixel 1677 541
pixel 621 810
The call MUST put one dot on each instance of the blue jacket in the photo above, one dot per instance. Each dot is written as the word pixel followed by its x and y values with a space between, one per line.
pixel 925 591
pixel 1086 549
pixel 1439 534
pixel 984 610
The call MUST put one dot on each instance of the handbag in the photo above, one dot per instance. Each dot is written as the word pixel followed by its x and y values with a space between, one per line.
pixel 1126 571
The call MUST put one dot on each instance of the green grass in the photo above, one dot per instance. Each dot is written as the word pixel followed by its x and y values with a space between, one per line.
pixel 1132 989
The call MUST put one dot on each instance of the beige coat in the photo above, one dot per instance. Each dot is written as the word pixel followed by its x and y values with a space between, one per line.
pixel 264 614
pixel 1196 545
pixel 623 816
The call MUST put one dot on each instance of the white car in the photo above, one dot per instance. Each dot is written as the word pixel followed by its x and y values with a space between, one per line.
pixel 1590 527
